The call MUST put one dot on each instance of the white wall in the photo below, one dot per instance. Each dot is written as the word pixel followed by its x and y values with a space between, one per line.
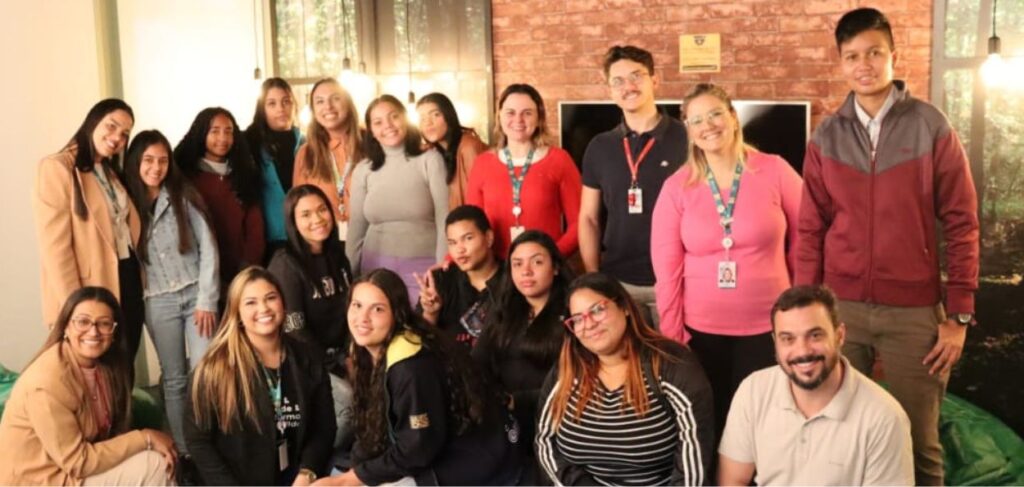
pixel 50 80
pixel 182 56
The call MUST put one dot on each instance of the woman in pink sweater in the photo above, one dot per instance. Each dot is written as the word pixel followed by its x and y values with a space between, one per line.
pixel 723 252
pixel 524 183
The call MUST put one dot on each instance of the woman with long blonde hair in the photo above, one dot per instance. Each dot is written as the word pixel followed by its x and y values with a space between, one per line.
pixel 625 405
pixel 723 252
pixel 333 147
pixel 261 410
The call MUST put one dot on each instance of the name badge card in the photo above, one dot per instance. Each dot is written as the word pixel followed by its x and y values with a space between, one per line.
pixel 635 198
pixel 727 274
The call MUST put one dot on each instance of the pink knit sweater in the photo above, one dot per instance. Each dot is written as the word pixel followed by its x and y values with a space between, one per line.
pixel 686 249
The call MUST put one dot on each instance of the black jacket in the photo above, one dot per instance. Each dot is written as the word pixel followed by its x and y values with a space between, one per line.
pixel 429 450
pixel 683 374
pixel 247 457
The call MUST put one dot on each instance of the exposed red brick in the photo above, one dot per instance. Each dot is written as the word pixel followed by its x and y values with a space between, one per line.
pixel 771 49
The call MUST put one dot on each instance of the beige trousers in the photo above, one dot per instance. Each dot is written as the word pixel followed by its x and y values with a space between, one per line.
pixel 902 337
pixel 143 468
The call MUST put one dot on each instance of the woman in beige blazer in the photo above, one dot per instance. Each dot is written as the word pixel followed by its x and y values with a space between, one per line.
pixel 86 224
pixel 67 419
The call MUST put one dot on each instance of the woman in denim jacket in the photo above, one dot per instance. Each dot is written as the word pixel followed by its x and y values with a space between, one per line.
pixel 180 257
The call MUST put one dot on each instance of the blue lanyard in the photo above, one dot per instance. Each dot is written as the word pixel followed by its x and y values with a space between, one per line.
pixel 517 183
pixel 275 389
pixel 725 212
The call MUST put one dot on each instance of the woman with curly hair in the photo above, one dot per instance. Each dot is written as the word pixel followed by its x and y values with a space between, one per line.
pixel 214 156
pixel 437 426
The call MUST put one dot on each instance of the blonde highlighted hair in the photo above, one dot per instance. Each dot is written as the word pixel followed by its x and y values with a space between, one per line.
pixel 578 367
pixel 226 381
pixel 318 141
pixel 695 158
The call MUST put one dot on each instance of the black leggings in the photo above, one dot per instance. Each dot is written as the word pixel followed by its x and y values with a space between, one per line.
pixel 727 360
pixel 129 275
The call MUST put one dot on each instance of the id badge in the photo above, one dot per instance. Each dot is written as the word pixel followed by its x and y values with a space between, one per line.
pixel 342 229
pixel 635 200
pixel 726 274
pixel 282 455
pixel 515 231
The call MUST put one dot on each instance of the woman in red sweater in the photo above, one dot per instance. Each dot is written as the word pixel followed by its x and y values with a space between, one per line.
pixel 525 184
pixel 215 157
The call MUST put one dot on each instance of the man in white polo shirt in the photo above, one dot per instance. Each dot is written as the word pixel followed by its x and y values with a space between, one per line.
pixel 813 419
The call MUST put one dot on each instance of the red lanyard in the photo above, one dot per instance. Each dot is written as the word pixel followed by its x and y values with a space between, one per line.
pixel 634 167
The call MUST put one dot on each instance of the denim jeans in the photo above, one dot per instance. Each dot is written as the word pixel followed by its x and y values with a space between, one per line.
pixel 172 326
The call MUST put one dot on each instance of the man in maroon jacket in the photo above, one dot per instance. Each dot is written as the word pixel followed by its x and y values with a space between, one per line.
pixel 878 175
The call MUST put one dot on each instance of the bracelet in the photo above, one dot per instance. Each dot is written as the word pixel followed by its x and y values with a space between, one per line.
pixel 311 475
pixel 149 442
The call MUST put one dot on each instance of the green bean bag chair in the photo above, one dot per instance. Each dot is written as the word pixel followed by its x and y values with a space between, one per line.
pixel 978 448
pixel 146 412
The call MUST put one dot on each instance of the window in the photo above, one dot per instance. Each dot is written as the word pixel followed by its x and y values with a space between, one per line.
pixel 990 121
pixel 417 45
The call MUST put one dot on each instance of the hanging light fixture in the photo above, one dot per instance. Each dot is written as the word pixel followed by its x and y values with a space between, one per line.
pixel 346 63
pixel 360 86
pixel 408 53
pixel 257 74
pixel 994 69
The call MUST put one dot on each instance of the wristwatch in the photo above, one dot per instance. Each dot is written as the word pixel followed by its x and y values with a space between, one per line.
pixel 965 319
pixel 310 475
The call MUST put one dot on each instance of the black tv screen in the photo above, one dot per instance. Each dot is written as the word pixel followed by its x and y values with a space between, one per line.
pixel 775 127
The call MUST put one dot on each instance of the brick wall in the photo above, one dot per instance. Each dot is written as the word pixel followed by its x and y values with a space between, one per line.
pixel 771 49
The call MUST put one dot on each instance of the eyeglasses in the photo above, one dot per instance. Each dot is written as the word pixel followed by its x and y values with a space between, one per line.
pixel 633 78
pixel 597 313
pixel 711 117
pixel 84 323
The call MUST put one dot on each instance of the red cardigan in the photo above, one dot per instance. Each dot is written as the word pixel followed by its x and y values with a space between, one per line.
pixel 239 229
pixel 550 193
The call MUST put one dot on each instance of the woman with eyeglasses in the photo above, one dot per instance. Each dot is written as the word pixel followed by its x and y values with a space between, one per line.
pixel 524 331
pixel 525 183
pixel 68 419
pixel 626 406
pixel 722 252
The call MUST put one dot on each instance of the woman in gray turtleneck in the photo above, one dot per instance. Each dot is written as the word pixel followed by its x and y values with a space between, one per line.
pixel 399 199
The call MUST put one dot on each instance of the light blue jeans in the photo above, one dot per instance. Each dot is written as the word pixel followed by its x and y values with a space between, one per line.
pixel 172 327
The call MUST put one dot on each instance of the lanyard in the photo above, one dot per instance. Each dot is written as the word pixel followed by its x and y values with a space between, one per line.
pixel 517 183
pixel 108 188
pixel 275 388
pixel 634 167
pixel 725 212
pixel 340 179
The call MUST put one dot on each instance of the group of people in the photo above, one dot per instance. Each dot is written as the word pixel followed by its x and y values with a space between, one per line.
pixel 377 303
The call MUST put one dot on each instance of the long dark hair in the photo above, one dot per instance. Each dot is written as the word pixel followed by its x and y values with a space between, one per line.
pixel 257 132
pixel 465 402
pixel 578 367
pixel 245 177
pixel 509 320
pixel 84 150
pixel 180 192
pixel 452 137
pixel 374 151
pixel 115 364
pixel 299 249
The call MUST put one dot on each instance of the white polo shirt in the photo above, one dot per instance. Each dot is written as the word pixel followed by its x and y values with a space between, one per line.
pixel 861 438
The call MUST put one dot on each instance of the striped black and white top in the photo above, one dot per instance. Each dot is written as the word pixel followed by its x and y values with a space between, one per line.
pixel 611 445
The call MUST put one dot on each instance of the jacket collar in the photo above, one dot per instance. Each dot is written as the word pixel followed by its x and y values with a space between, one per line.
pixel 163 201
pixel 900 95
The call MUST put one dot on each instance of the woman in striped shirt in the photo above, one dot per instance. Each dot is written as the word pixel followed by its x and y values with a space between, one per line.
pixel 626 406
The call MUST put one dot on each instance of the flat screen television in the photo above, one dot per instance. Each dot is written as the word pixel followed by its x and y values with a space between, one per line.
pixel 775 127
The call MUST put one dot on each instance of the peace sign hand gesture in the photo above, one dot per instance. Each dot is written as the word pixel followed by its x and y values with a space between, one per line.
pixel 430 300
